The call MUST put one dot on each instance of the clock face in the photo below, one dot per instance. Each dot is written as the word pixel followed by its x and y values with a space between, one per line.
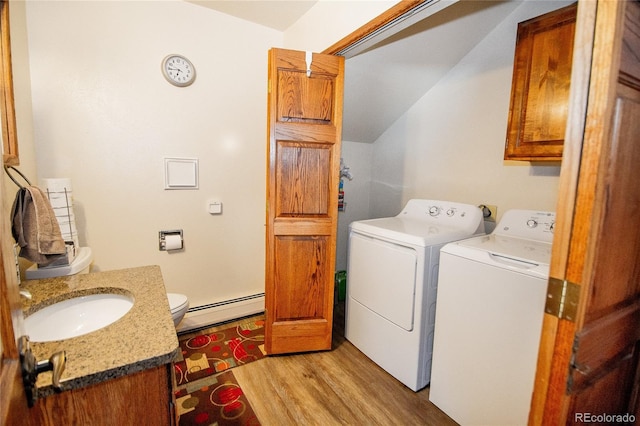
pixel 178 70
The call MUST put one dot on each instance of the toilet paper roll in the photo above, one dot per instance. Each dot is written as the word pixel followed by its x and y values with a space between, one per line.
pixel 173 242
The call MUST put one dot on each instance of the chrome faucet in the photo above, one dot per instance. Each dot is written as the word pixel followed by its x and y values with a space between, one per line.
pixel 26 294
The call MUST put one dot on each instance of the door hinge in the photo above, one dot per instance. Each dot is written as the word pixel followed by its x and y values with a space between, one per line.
pixel 562 299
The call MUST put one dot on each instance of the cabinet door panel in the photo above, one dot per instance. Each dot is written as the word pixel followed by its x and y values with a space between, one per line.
pixel 540 86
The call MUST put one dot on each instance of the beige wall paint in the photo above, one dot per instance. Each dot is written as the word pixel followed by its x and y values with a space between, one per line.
pixel 450 144
pixel 22 88
pixel 357 156
pixel 104 116
pixel 93 106
pixel 329 21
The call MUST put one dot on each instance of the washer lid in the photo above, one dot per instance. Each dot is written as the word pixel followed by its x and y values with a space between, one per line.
pixel 519 249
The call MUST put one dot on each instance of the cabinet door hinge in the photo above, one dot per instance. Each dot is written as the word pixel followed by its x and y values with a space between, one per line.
pixel 562 299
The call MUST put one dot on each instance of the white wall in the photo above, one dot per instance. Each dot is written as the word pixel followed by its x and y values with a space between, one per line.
pixel 450 144
pixel 22 89
pixel 323 25
pixel 357 157
pixel 22 85
pixel 329 21
pixel 104 116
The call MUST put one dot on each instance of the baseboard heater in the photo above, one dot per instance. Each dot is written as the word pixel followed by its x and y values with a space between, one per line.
pixel 219 312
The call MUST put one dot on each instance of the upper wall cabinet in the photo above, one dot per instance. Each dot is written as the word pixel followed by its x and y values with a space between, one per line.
pixel 7 108
pixel 540 86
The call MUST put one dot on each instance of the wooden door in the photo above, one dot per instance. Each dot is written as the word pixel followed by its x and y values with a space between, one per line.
pixel 305 126
pixel 13 400
pixel 588 359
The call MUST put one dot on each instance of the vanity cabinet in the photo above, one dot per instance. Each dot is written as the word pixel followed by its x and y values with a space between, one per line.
pixel 143 398
pixel 540 86
pixel 120 374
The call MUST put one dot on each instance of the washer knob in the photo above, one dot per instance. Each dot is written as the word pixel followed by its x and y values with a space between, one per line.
pixel 451 212
pixel 434 211
pixel 552 227
pixel 532 223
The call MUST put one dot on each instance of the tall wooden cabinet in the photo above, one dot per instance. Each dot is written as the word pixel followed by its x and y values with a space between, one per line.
pixel 540 86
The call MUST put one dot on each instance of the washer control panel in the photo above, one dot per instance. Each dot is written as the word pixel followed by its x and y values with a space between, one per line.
pixel 531 224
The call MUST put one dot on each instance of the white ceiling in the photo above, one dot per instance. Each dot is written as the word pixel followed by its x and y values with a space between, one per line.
pixel 384 81
pixel 274 14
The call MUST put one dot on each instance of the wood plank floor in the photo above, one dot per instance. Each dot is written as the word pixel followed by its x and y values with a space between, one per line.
pixel 337 387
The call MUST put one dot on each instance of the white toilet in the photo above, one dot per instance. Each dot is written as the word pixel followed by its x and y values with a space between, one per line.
pixel 178 303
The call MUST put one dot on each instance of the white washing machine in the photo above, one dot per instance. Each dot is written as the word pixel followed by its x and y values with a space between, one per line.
pixel 491 298
pixel 391 283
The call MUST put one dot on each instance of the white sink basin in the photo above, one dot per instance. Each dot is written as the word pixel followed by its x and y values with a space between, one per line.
pixel 77 316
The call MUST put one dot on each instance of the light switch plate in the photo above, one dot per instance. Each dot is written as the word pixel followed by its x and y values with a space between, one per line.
pixel 215 207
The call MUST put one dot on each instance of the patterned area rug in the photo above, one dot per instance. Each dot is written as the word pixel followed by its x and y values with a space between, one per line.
pixel 207 393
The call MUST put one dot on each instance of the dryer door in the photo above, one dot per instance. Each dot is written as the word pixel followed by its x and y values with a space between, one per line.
pixel 382 277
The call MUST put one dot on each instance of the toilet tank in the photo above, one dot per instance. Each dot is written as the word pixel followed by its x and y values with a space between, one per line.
pixel 80 265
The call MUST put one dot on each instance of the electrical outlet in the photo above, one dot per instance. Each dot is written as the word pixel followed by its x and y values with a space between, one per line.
pixel 489 212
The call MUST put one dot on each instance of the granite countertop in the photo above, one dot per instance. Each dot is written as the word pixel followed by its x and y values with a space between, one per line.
pixel 143 338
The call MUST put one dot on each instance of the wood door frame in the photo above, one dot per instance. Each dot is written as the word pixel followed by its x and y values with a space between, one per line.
pixel 567 194
pixel 10 155
pixel 13 403
pixel 582 199
pixel 404 7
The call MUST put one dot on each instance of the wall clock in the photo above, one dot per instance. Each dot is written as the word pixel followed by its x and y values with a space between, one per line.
pixel 178 70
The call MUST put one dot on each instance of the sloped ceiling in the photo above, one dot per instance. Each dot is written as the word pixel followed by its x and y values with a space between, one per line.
pixel 278 15
pixel 385 80
pixel 382 83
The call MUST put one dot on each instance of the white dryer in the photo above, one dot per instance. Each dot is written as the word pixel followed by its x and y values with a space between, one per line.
pixel 491 299
pixel 391 283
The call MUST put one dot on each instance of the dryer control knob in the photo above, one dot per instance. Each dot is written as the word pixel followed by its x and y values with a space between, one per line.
pixel 532 223
pixel 451 212
pixel 434 211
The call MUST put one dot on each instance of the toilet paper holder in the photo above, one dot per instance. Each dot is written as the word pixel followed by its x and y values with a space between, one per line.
pixel 162 236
